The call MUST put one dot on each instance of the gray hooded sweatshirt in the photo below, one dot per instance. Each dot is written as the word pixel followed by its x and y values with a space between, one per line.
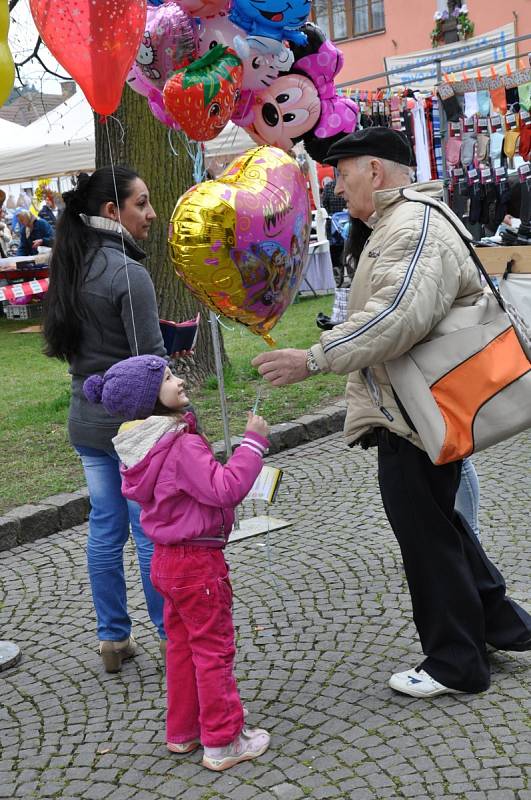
pixel 108 334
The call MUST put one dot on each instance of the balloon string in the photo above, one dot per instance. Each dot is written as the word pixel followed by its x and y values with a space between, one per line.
pixel 122 238
pixel 122 129
pixel 223 324
pixel 172 148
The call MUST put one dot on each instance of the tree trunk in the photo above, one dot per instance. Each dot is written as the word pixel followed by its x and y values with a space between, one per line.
pixel 144 147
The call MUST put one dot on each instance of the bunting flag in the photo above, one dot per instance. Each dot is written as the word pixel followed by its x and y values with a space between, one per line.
pixel 26 289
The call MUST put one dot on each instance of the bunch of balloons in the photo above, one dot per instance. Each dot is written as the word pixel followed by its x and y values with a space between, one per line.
pixel 200 63
pixel 241 242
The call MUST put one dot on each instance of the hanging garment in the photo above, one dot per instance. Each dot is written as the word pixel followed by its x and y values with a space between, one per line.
pixel 482 148
pixel 422 151
pixel 525 142
pixel 524 96
pixel 496 146
pixel 512 97
pixel 471 104
pixel 499 100
pixel 437 145
pixel 453 151
pixel 451 108
pixel 483 103
pixel 510 145
pixel 503 196
pixel 468 149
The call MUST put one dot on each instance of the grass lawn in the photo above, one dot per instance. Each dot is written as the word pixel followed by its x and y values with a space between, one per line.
pixel 36 459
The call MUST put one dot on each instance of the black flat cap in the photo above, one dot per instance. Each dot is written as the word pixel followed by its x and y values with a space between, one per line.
pixel 378 142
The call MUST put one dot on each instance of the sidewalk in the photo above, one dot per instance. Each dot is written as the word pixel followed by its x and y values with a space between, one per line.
pixel 318 637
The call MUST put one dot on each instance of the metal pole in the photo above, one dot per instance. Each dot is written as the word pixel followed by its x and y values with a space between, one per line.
pixel 221 383
pixel 222 396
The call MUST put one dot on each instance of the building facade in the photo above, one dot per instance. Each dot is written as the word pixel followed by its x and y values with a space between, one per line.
pixel 367 31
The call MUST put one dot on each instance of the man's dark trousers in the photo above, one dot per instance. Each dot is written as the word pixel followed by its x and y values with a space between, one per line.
pixel 458 595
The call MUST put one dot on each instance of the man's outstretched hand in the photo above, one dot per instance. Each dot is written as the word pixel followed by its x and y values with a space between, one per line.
pixel 281 367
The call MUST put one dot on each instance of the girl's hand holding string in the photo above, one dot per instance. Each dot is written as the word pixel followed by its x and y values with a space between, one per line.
pixel 256 424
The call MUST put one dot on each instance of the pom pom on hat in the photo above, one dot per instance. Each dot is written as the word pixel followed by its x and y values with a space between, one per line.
pixel 93 388
pixel 130 388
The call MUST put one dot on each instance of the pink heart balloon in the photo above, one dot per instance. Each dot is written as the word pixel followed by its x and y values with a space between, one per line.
pixel 240 243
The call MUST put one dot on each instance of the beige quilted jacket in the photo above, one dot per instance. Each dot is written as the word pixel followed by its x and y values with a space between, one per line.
pixel 413 269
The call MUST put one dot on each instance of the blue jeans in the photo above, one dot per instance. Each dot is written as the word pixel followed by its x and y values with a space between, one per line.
pixel 467 497
pixel 110 517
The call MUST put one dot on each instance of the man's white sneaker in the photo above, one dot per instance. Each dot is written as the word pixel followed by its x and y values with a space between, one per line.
pixel 251 743
pixel 417 683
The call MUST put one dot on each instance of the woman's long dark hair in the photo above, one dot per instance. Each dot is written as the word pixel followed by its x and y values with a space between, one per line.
pixel 64 310
pixel 359 232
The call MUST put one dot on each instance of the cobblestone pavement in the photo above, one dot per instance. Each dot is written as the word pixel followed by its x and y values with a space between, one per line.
pixel 318 637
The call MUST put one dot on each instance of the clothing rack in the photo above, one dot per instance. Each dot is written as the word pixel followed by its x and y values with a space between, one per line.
pixel 443 84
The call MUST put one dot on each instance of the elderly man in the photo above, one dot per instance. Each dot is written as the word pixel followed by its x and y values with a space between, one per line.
pixel 34 232
pixel 413 269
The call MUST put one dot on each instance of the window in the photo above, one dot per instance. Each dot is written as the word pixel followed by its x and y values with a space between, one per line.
pixel 344 19
pixel 368 16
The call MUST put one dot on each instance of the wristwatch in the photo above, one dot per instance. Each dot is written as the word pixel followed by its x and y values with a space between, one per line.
pixel 311 364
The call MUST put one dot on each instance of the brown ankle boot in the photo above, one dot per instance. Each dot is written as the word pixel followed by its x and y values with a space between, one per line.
pixel 113 653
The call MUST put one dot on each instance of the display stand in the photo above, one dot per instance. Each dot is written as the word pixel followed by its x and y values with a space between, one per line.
pixel 252 526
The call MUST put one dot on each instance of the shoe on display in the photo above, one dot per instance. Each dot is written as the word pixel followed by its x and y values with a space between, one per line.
pixel 417 683
pixel 183 747
pixel 251 743
pixel 113 653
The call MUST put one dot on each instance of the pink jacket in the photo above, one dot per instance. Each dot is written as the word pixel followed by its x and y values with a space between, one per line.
pixel 185 494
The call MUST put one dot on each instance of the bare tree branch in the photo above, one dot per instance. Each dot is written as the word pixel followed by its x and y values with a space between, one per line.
pixel 32 55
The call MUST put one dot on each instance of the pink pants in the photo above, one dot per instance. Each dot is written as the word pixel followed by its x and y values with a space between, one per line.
pixel 203 700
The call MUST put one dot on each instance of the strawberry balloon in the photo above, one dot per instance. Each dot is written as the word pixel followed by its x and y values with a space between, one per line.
pixel 201 97
pixel 96 41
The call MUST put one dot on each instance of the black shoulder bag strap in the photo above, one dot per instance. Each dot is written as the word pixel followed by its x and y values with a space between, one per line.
pixel 438 205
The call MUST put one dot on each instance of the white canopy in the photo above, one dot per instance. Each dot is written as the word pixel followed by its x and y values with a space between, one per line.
pixel 62 143
pixel 59 143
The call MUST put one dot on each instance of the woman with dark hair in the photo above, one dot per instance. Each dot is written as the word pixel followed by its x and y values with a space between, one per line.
pixel 101 308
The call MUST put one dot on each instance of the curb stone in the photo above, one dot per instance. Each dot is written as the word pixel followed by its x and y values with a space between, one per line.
pixel 63 511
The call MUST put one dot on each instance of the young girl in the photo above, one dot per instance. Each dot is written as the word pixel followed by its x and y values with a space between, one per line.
pixel 187 500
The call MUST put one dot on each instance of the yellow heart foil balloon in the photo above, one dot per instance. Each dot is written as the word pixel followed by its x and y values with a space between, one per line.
pixel 240 242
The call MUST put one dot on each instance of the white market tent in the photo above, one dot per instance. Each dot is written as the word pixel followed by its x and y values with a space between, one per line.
pixel 59 143
pixel 62 143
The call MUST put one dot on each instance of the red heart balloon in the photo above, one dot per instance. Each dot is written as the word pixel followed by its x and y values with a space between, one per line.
pixel 96 41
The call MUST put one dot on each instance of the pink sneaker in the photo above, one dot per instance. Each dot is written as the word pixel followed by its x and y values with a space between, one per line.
pixel 183 747
pixel 251 743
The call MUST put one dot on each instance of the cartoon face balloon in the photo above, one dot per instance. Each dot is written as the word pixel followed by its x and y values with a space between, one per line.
pixel 304 104
pixel 202 96
pixel 285 111
pixel 169 41
pixel 271 18
pixel 240 242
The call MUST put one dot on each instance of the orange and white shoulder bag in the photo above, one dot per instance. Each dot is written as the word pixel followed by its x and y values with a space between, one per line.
pixel 466 386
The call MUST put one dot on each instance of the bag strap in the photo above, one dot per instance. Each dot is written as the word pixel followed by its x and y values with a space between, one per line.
pixel 438 205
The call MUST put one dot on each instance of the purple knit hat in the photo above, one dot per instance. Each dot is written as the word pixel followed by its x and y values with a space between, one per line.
pixel 129 388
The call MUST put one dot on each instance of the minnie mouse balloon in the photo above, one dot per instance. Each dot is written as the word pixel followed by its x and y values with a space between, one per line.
pixel 240 242
pixel 169 42
pixel 95 42
pixel 304 104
